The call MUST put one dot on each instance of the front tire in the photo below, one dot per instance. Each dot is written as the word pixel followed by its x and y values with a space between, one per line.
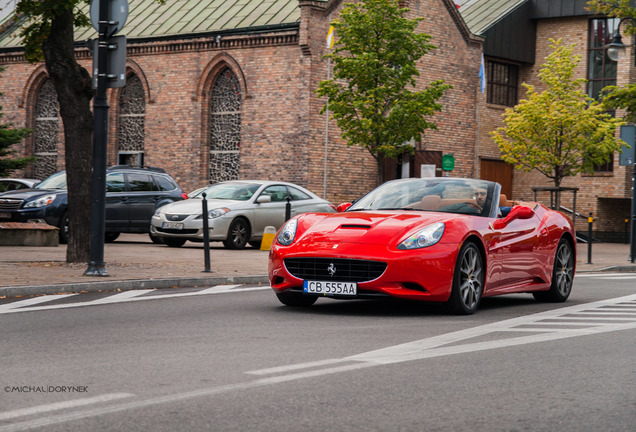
pixel 238 234
pixel 110 237
pixel 174 242
pixel 64 229
pixel 562 275
pixel 296 299
pixel 468 281
pixel 155 239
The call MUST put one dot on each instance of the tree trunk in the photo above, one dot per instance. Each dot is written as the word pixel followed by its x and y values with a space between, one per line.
pixel 74 93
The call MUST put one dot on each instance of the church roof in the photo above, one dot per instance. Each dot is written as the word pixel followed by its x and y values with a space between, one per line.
pixel 480 15
pixel 149 19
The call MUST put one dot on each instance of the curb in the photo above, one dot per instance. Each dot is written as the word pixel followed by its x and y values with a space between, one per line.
pixel 128 285
pixel 619 269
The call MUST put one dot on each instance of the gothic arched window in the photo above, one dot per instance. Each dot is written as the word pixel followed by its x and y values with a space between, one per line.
pixel 225 127
pixel 46 130
pixel 132 118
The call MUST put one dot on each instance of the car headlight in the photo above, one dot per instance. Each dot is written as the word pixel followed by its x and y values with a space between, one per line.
pixel 40 202
pixel 287 234
pixel 215 213
pixel 424 238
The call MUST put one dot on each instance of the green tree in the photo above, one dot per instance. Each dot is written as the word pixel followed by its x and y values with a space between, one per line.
pixel 371 95
pixel 48 29
pixel 560 131
pixel 48 34
pixel 614 8
pixel 8 137
pixel 619 97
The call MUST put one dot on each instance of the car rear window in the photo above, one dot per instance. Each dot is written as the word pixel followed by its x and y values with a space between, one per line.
pixel 140 183
pixel 164 184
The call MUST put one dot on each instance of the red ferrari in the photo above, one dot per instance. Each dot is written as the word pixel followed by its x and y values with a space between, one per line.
pixel 449 240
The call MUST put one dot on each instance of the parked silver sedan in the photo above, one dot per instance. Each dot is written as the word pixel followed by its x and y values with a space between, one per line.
pixel 238 212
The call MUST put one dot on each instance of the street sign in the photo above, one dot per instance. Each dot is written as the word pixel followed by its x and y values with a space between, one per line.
pixel 118 14
pixel 627 156
pixel 116 64
pixel 448 162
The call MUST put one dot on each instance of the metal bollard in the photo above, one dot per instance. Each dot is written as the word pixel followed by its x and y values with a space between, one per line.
pixel 288 209
pixel 590 220
pixel 206 232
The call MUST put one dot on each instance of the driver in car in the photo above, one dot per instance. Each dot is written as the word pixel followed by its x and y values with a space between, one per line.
pixel 480 196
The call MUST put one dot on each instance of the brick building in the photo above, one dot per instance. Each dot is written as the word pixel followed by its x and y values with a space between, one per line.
pixel 222 89
pixel 517 34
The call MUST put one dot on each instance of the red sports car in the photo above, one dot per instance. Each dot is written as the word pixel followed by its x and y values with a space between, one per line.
pixel 449 240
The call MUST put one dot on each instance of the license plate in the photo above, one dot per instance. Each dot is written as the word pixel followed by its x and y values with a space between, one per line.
pixel 330 288
pixel 4 215
pixel 172 225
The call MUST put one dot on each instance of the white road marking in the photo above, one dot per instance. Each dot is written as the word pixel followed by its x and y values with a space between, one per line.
pixel 34 304
pixel 32 301
pixel 121 297
pixel 41 409
pixel 584 317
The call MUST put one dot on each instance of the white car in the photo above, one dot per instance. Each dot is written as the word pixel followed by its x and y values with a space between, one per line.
pixel 238 212
pixel 10 184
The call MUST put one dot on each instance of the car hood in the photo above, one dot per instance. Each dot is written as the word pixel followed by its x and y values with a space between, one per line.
pixel 29 194
pixel 381 227
pixel 194 206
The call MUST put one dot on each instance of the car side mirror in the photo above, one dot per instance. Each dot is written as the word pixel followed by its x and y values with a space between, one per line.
pixel 263 199
pixel 343 207
pixel 518 212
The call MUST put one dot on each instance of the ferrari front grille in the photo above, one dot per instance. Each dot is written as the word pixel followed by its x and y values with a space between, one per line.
pixel 336 269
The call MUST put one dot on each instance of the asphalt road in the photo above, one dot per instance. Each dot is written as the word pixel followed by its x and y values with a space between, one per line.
pixel 231 358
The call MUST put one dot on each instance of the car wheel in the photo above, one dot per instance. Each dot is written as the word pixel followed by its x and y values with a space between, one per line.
pixel 110 237
pixel 238 234
pixel 156 240
pixel 64 229
pixel 296 299
pixel 562 275
pixel 468 281
pixel 174 242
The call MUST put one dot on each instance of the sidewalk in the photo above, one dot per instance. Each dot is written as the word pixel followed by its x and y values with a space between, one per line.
pixel 133 262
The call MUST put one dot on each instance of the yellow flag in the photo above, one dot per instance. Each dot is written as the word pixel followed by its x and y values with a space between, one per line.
pixel 330 37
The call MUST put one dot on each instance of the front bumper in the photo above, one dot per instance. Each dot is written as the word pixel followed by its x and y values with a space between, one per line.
pixel 192 228
pixel 25 215
pixel 420 274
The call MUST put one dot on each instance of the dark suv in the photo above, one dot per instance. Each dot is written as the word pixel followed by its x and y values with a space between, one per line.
pixel 132 196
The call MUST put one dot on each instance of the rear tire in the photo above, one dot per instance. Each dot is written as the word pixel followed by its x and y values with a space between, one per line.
pixel 174 242
pixel 468 281
pixel 562 275
pixel 296 299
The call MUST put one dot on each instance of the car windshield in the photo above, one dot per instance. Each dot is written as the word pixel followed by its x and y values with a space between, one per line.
pixel 450 195
pixel 229 191
pixel 56 181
